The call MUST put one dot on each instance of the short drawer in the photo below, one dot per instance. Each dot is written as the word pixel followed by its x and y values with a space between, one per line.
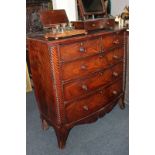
pixel 115 55
pixel 85 107
pixel 84 86
pixel 115 89
pixel 83 67
pixel 80 49
pixel 112 40
pixel 93 25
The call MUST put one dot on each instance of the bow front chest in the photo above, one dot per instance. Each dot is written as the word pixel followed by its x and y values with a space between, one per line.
pixel 78 79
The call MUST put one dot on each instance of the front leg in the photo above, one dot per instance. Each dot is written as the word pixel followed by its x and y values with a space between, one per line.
pixel 122 102
pixel 62 134
pixel 45 125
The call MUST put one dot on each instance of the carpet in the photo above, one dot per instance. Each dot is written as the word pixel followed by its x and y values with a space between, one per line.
pixel 107 136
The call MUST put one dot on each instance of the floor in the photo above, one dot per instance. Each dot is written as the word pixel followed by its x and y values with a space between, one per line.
pixel 108 136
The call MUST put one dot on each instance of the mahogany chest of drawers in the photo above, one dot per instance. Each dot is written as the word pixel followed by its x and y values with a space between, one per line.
pixel 77 79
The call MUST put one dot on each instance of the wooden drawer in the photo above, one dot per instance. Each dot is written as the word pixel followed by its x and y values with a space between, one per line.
pixel 99 24
pixel 81 87
pixel 115 55
pixel 85 107
pixel 115 89
pixel 83 67
pixel 91 25
pixel 80 49
pixel 112 40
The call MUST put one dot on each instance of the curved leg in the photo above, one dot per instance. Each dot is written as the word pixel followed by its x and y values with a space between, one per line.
pixel 122 103
pixel 45 125
pixel 62 134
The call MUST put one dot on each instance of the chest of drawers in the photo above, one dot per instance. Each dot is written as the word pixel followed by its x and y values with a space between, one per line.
pixel 77 80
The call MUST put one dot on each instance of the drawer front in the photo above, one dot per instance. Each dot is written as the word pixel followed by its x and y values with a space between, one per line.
pixel 80 49
pixel 115 56
pixel 110 23
pixel 115 89
pixel 112 40
pixel 93 25
pixel 83 67
pixel 82 108
pixel 81 87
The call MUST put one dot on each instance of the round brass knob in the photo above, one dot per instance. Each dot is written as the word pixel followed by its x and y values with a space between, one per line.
pixel 83 67
pixel 85 108
pixel 93 25
pixel 84 87
pixel 115 57
pixel 116 42
pixel 115 92
pixel 115 74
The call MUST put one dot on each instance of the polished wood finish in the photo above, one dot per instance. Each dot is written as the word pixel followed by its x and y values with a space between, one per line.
pixel 79 79
pixel 95 24
pixel 94 20
pixel 101 78
pixel 52 17
pixel 69 33
pixel 80 49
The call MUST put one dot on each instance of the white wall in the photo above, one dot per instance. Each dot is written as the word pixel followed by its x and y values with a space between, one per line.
pixel 69 6
pixel 117 6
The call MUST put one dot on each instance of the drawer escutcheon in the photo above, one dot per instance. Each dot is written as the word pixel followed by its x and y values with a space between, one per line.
pixel 82 49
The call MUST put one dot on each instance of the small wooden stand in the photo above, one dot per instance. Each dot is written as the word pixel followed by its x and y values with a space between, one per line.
pixel 99 19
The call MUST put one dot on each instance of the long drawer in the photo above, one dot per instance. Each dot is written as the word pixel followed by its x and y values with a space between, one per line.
pixel 80 49
pixel 85 107
pixel 84 86
pixel 85 66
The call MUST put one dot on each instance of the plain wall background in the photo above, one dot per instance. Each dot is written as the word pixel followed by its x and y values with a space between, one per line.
pixel 70 7
pixel 117 6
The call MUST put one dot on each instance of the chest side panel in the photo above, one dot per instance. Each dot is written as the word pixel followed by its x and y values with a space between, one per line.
pixel 41 69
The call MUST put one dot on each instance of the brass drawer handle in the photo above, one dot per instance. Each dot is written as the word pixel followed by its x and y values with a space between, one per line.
pixel 116 57
pixel 82 49
pixel 93 25
pixel 116 42
pixel 108 23
pixel 115 74
pixel 85 108
pixel 115 92
pixel 84 87
pixel 83 67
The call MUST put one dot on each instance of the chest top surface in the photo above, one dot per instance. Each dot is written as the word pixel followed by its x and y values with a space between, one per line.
pixel 39 36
